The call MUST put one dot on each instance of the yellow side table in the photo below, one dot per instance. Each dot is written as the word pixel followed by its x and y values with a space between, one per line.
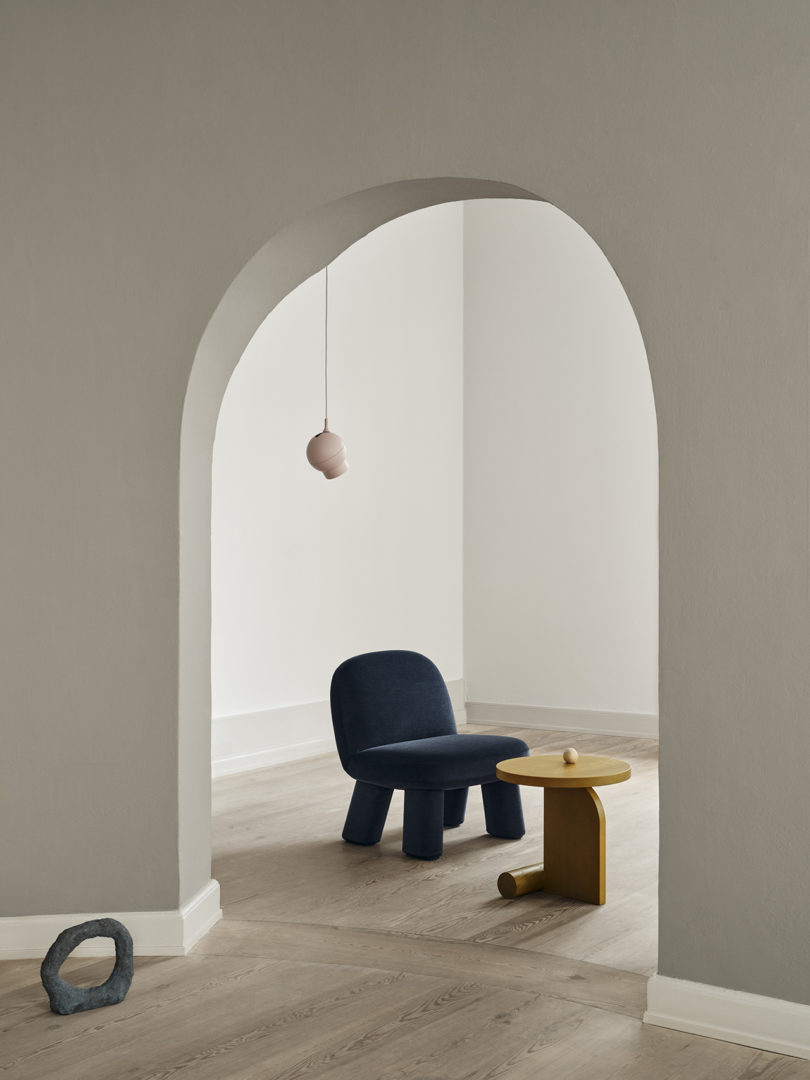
pixel 574 825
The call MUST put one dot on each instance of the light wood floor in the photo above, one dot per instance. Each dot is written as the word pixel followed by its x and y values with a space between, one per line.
pixel 344 962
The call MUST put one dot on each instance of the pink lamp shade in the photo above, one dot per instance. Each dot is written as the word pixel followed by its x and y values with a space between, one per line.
pixel 326 452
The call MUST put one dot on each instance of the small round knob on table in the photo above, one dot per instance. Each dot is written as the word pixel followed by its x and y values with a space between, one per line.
pixel 570 755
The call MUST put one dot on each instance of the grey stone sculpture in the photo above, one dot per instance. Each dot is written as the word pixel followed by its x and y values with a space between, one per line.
pixel 65 998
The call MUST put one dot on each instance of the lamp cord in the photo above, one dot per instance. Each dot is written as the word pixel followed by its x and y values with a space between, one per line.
pixel 326 352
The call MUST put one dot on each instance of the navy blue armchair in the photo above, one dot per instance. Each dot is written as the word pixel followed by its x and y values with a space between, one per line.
pixel 394 728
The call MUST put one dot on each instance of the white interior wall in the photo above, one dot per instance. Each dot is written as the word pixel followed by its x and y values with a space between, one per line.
pixel 559 481
pixel 305 571
pixel 561 478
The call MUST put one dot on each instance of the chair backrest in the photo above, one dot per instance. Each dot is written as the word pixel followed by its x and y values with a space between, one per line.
pixel 386 697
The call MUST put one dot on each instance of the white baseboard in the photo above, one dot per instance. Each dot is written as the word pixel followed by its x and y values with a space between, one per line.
pixel 154 933
pixel 260 759
pixel 198 916
pixel 782 1027
pixel 586 721
pixel 290 733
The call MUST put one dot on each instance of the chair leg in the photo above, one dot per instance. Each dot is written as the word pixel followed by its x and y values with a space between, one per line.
pixel 422 824
pixel 455 805
pixel 367 812
pixel 503 810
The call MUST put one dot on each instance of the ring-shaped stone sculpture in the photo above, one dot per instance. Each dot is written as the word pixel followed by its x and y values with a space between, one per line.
pixel 65 998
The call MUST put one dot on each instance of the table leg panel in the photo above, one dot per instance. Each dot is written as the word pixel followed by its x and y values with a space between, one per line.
pixel 574 844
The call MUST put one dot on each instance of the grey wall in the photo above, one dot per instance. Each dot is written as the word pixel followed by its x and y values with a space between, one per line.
pixel 150 149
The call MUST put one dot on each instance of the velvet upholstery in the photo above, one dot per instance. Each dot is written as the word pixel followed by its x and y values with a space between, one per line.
pixel 437 762
pixel 394 728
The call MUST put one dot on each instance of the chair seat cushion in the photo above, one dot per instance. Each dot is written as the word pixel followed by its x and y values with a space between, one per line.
pixel 441 762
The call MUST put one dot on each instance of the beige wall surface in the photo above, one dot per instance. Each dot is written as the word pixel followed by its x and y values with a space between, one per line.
pixel 149 150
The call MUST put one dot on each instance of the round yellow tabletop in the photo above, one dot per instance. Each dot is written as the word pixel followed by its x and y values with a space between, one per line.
pixel 549 770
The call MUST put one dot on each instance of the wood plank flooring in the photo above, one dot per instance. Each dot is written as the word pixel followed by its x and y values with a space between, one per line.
pixel 341 962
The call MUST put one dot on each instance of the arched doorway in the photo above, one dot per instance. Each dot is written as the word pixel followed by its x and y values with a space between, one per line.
pixel 277 269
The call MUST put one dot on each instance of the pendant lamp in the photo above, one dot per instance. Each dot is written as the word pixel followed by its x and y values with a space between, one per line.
pixel 326 451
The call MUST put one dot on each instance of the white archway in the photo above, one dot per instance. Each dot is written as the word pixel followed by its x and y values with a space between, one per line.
pixel 280 266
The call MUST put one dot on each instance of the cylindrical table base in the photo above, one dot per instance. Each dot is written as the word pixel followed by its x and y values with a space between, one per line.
pixel 525 879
